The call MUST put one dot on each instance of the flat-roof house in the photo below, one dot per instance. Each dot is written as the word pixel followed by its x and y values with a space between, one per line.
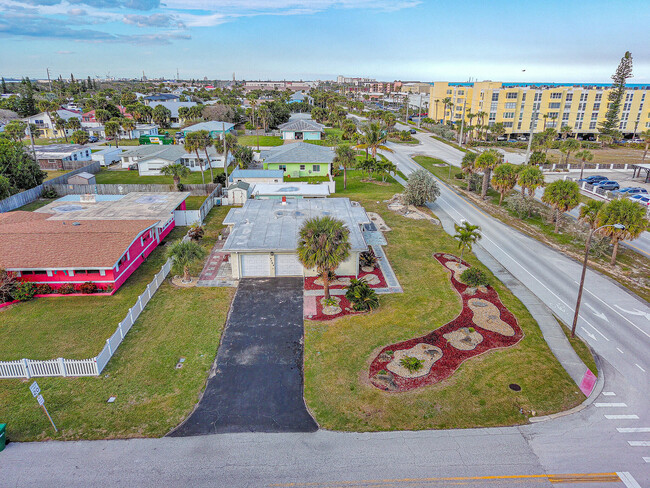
pixel 255 176
pixel 151 158
pixel 299 159
pixel 62 156
pixel 263 235
pixel 107 156
pixel 302 129
pixel 214 127
pixel 160 97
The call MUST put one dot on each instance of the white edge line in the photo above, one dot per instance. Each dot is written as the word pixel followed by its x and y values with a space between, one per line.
pixel 628 480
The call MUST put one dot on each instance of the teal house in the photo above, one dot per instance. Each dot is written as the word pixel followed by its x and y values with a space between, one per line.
pixel 300 159
pixel 302 130
pixel 214 127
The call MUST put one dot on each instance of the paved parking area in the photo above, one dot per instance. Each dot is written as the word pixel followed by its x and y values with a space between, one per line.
pixel 623 176
pixel 258 382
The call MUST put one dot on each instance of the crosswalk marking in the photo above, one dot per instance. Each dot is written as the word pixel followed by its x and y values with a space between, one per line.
pixel 622 417
pixel 604 405
pixel 625 430
pixel 646 459
pixel 639 443
pixel 628 480
pixel 609 393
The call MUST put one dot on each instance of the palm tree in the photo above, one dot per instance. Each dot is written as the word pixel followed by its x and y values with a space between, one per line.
pixel 194 143
pixel 73 123
pixel 530 178
pixel 128 125
pixel 206 142
pixel 504 179
pixel 59 123
pixel 385 168
pixel 445 102
pixel 323 243
pixel 102 116
pixel 497 130
pixel 467 164
pixel 374 137
pixel 562 195
pixel 626 212
pixel 112 129
pixel 645 135
pixel 565 130
pixel 589 212
pixel 584 155
pixel 184 255
pixel 466 235
pixel 229 143
pixel 176 171
pixel 568 147
pixel 486 161
pixel 345 157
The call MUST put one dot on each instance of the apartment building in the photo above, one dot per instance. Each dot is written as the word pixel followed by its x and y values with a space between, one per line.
pixel 579 106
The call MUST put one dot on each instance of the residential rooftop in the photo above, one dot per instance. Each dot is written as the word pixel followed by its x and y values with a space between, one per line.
pixel 256 173
pixel 210 126
pixel 292 188
pixel 271 225
pixel 57 150
pixel 298 152
pixel 301 125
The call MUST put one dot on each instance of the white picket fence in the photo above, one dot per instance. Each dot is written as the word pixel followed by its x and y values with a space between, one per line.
pixel 28 368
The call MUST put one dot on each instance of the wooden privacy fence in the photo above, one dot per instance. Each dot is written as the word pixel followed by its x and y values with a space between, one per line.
pixel 28 196
pixel 123 189
pixel 28 368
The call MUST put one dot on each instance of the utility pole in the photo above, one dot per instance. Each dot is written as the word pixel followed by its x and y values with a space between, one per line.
pixel 420 111
pixel 533 122
pixel 406 120
pixel 49 81
pixel 177 74
pixel 462 124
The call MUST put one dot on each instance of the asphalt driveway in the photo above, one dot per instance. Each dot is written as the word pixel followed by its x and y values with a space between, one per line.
pixel 258 383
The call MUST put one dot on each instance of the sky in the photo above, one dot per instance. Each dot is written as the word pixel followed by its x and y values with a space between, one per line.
pixel 414 40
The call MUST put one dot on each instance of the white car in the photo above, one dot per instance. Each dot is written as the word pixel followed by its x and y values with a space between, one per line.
pixel 642 199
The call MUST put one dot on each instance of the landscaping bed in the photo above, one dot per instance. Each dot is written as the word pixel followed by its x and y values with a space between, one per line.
pixel 374 278
pixel 483 324
pixel 338 353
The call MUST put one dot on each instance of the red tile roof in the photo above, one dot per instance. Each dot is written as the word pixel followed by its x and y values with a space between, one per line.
pixel 28 240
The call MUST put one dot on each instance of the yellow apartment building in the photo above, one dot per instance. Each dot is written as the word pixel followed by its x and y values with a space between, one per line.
pixel 579 106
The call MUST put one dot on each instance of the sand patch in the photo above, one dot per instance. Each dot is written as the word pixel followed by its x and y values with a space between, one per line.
pixel 488 317
pixel 463 339
pixel 335 282
pixel 409 211
pixel 331 309
pixel 178 281
pixel 371 279
pixel 456 268
pixel 427 353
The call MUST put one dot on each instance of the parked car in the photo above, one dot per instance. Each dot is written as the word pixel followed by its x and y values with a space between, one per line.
pixel 178 135
pixel 631 190
pixel 502 138
pixel 522 138
pixel 110 138
pixel 643 200
pixel 413 131
pixel 93 139
pixel 133 167
pixel 608 185
pixel 593 179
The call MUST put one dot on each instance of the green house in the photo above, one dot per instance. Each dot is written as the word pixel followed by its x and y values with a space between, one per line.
pixel 300 159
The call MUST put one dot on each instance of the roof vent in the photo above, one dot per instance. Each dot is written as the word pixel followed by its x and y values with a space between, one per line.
pixel 76 223
pixel 284 200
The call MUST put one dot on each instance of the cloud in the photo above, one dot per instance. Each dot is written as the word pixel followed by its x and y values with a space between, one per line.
pixel 65 52
pixel 155 20
pixel 77 12
pixel 101 4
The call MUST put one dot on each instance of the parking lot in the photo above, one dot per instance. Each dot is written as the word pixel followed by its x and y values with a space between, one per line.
pixel 623 177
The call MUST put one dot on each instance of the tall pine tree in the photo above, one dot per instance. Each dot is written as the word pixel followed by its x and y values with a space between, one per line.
pixel 612 118
pixel 3 86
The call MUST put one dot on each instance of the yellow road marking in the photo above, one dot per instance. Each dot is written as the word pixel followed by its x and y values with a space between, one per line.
pixel 553 478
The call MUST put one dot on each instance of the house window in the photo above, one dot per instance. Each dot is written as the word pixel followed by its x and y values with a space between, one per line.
pixel 495 96
pixel 569 97
pixel 507 125
pixel 596 107
pixel 511 95
pixel 599 97
pixel 554 105
pixel 556 95
pixel 316 168
pixel 302 167
pixel 510 105
pixel 509 115
pixel 592 125
pixel 283 167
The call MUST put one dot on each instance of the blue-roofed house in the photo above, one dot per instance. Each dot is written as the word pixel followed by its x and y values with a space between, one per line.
pixel 214 127
pixel 300 159
pixel 301 97
pixel 302 129
pixel 254 176
pixel 161 97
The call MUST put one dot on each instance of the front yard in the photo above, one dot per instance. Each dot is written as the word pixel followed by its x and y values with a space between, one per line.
pixel 152 396
pixel 338 353
pixel 265 141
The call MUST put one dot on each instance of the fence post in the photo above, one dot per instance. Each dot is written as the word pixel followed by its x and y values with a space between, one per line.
pixel 64 373
pixel 26 368
pixel 597 165
pixel 110 351
pixel 119 327
pixel 131 315
pixel 149 291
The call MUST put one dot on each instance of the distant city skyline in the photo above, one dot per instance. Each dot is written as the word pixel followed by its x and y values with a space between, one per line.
pixel 549 41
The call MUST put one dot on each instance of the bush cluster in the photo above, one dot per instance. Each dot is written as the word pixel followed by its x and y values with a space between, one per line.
pixel 474 277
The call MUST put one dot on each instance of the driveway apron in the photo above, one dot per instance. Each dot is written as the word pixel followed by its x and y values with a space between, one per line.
pixel 258 382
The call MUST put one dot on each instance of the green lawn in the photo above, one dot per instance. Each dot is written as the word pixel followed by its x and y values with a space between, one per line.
pixel 194 203
pixel 152 396
pixel 338 353
pixel 122 142
pixel 397 140
pixel 106 176
pixel 36 204
pixel 55 173
pixel 264 141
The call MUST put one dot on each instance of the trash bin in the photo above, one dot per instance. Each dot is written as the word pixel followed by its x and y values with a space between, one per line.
pixel 2 436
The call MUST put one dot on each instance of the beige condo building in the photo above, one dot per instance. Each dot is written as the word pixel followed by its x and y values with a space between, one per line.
pixel 579 106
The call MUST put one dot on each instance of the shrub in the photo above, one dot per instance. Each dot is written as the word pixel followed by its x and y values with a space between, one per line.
pixel 196 232
pixel 361 296
pixel 88 288
pixel 474 277
pixel 411 363
pixel 475 183
pixel 43 289
pixel 368 258
pixel 66 289
pixel 459 176
pixel 180 187
pixel 521 205
pixel 8 284
pixel 49 192
pixel 25 290
pixel 329 302
pixel 421 188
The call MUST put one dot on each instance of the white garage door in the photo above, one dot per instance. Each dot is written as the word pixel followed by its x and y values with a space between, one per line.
pixel 255 265
pixel 287 265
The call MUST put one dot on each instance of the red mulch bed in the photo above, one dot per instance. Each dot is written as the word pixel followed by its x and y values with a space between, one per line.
pixel 311 285
pixel 451 358
pixel 344 304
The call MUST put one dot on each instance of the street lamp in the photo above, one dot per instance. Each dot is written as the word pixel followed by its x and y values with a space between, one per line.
pixel 584 271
